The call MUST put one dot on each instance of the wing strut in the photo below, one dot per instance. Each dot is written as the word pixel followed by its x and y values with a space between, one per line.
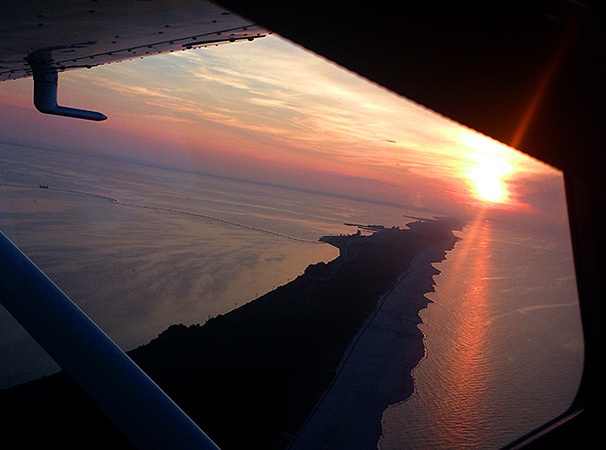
pixel 136 405
pixel 46 81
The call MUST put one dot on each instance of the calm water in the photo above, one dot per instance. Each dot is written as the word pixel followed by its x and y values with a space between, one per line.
pixel 503 344
pixel 139 248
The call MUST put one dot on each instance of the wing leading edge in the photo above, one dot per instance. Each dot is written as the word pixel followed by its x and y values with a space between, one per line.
pixel 42 39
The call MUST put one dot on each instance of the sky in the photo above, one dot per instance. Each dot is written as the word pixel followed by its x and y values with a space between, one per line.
pixel 270 111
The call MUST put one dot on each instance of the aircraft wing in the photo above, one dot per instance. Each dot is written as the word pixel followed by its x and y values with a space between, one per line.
pixel 42 39
pixel 81 34
pixel 528 73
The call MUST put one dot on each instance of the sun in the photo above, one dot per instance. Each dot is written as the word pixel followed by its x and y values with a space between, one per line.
pixel 488 185
pixel 489 170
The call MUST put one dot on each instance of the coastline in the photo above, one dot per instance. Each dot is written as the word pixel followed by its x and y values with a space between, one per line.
pixel 251 378
pixel 382 357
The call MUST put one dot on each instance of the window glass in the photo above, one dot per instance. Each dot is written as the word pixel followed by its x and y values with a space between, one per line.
pixel 217 179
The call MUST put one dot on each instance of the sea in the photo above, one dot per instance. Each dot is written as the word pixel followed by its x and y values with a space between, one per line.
pixel 503 344
pixel 139 248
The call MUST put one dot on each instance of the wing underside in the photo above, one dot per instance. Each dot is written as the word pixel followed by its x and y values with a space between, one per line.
pixel 81 34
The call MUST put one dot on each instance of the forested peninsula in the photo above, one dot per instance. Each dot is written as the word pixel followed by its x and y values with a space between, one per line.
pixel 250 378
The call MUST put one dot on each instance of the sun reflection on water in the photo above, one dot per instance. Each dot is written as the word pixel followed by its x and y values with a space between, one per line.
pixel 466 402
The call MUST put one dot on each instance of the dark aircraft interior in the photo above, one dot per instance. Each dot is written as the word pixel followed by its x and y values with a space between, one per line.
pixel 527 73
pixel 531 74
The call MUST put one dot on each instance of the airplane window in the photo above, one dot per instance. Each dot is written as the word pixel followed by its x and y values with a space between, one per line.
pixel 202 223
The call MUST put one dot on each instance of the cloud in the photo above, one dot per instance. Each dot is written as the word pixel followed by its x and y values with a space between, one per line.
pixel 270 100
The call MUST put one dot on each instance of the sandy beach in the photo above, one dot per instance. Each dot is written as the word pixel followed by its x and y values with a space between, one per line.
pixel 275 358
pixel 375 371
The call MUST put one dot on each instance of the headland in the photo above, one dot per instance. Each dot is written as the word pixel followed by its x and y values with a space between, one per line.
pixel 258 376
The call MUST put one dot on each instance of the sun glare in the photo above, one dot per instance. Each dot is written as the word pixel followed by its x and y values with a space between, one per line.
pixel 488 185
pixel 491 165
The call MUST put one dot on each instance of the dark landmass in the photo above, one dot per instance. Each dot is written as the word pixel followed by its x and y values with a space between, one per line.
pixel 372 228
pixel 251 377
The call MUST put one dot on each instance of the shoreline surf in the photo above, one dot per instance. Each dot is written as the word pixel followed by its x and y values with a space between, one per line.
pixel 253 375
pixel 335 423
